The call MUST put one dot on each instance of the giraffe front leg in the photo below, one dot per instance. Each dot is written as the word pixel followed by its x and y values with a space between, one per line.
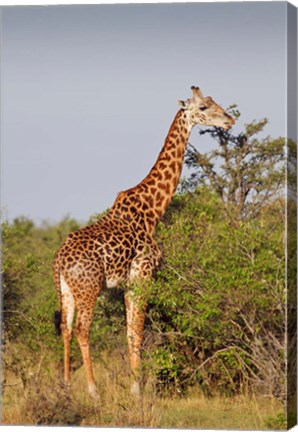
pixel 135 316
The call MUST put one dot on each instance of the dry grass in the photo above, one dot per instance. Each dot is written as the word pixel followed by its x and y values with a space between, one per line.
pixel 45 400
pixel 218 412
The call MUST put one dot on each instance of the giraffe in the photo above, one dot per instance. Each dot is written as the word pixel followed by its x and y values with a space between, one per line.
pixel 120 248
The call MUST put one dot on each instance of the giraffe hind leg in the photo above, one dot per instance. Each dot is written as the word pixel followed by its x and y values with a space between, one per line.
pixel 82 332
pixel 67 315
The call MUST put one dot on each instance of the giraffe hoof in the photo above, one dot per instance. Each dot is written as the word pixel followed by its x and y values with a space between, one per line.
pixel 67 387
pixel 93 392
pixel 135 389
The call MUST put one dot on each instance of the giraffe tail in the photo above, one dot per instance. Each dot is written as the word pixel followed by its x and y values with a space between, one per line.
pixel 58 314
pixel 57 322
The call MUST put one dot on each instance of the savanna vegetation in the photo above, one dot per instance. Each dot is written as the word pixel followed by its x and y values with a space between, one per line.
pixel 214 348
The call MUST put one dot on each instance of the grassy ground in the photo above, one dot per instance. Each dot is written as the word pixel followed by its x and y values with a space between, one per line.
pixel 44 400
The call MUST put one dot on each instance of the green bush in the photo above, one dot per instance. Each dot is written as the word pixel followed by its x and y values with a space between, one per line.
pixel 219 298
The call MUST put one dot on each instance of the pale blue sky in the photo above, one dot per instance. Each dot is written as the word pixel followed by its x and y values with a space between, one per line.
pixel 89 92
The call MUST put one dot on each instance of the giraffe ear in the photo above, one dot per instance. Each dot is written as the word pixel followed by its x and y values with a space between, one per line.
pixel 183 104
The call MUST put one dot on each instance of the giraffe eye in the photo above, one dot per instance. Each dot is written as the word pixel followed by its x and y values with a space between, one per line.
pixel 203 108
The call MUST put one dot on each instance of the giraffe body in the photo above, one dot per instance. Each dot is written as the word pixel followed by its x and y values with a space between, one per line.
pixel 120 249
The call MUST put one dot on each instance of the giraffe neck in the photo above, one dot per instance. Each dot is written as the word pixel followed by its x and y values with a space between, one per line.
pixel 149 200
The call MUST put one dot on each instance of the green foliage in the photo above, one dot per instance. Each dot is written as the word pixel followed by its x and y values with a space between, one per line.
pixel 278 422
pixel 220 295
pixel 245 171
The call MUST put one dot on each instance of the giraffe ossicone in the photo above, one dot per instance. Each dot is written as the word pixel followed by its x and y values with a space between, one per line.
pixel 121 248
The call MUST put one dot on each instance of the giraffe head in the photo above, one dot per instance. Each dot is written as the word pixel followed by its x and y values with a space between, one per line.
pixel 203 110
